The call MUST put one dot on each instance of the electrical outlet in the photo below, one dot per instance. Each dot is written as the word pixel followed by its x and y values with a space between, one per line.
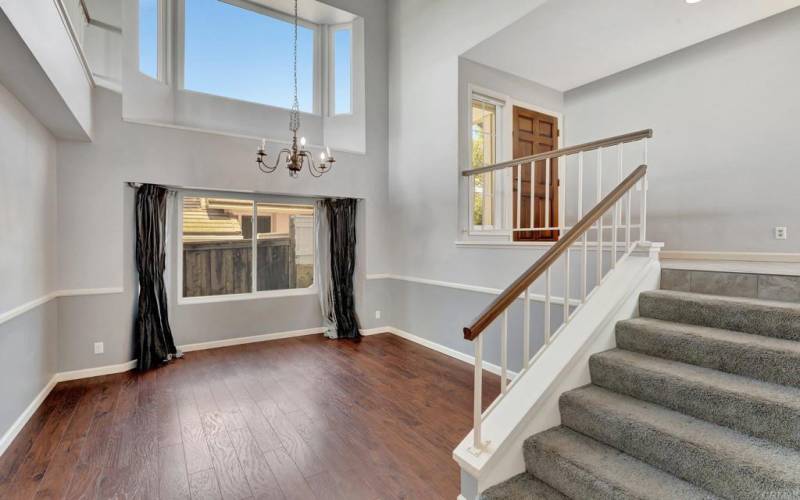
pixel 377 314
pixel 98 348
pixel 781 233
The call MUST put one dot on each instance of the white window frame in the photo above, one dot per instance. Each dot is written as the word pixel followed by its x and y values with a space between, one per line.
pixel 502 180
pixel 254 294
pixel 331 68
pixel 162 17
pixel 180 51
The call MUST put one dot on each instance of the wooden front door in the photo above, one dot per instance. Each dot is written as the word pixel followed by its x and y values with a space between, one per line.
pixel 534 133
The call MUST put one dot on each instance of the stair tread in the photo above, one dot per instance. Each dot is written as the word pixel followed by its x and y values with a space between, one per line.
pixel 735 384
pixel 618 474
pixel 761 409
pixel 755 316
pixel 705 297
pixel 721 458
pixel 522 487
pixel 770 359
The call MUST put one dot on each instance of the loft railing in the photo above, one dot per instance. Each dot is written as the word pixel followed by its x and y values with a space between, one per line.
pixel 621 211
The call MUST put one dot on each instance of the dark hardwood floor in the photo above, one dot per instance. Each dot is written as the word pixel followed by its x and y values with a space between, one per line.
pixel 298 418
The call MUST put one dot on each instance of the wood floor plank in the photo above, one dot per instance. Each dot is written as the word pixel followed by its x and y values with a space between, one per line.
pixel 173 481
pixel 232 480
pixel 290 479
pixel 298 418
pixel 255 466
pixel 203 485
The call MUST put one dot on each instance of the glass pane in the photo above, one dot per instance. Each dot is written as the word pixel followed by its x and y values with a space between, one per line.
pixel 245 55
pixel 148 37
pixel 217 246
pixel 484 152
pixel 285 246
pixel 342 50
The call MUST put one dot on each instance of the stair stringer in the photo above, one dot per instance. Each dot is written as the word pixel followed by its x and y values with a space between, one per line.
pixel 532 405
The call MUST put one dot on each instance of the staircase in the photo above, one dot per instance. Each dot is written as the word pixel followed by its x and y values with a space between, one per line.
pixel 701 399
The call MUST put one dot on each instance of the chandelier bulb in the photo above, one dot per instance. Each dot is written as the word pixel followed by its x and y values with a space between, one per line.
pixel 303 141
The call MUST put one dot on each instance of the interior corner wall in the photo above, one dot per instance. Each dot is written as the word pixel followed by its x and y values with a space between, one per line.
pixel 28 341
pixel 425 131
pixel 723 158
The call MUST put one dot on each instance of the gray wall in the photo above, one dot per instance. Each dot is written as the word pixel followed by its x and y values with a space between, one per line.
pixel 723 161
pixel 96 216
pixel 27 256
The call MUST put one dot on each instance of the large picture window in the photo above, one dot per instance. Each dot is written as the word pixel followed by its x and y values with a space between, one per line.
pixel 235 246
pixel 245 53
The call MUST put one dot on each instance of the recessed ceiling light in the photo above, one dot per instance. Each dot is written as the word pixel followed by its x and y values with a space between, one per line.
pixel 693 1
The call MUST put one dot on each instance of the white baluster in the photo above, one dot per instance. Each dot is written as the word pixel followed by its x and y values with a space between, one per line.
pixel 546 193
pixel 504 353
pixel 532 191
pixel 584 267
pixel 643 207
pixel 564 190
pixel 519 196
pixel 547 306
pixel 526 329
pixel 616 215
pixel 599 250
pixel 566 285
pixel 477 410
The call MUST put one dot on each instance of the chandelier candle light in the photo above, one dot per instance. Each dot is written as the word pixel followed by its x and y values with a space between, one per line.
pixel 296 156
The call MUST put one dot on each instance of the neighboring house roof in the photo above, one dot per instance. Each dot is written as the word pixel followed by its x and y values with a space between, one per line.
pixel 202 223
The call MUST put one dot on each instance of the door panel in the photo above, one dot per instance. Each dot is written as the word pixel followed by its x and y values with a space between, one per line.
pixel 535 133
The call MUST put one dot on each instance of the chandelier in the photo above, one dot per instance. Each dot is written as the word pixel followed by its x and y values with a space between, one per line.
pixel 297 155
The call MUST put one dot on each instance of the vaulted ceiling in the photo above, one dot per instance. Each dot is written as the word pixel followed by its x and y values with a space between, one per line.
pixel 568 43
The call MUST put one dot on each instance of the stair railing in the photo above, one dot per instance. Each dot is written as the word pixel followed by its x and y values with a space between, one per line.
pixel 593 220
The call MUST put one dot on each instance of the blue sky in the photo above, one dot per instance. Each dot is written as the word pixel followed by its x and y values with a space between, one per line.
pixel 238 53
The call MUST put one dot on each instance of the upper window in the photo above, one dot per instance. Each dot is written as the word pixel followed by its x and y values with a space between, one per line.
pixel 342 70
pixel 246 54
pixel 148 37
pixel 221 257
pixel 483 147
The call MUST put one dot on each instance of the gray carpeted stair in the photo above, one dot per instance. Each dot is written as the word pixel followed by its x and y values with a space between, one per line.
pixel 750 406
pixel 763 358
pixel 522 487
pixel 701 399
pixel 723 461
pixel 581 467
pixel 759 317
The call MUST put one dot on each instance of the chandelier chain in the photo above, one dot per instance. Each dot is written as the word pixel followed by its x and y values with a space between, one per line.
pixel 294 120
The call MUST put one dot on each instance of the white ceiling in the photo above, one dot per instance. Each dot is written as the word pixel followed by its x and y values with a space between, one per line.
pixel 568 43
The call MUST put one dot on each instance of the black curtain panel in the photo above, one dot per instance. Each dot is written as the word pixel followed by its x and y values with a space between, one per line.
pixel 342 221
pixel 153 337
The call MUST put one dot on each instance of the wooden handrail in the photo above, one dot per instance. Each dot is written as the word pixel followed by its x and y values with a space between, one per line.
pixel 588 146
pixel 510 294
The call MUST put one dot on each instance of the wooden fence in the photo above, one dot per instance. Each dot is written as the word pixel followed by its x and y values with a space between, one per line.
pixel 224 267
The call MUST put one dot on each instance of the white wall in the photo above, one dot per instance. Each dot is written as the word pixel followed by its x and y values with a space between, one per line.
pixel 723 160
pixel 28 244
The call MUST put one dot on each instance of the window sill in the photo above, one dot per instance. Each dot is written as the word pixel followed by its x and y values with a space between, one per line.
pixel 272 294
pixel 502 244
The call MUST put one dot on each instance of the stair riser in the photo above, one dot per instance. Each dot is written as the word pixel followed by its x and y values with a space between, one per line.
pixel 757 319
pixel 771 420
pixel 779 367
pixel 569 478
pixel 708 468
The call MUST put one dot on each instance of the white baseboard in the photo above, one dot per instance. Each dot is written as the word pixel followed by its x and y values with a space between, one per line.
pixel 95 372
pixel 249 340
pixel 20 422
pixel 489 367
